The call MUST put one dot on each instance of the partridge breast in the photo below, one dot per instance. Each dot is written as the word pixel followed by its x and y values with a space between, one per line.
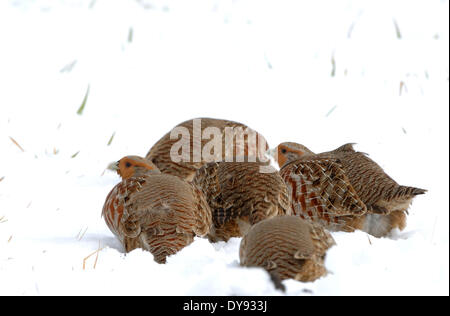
pixel 287 247
pixel 159 213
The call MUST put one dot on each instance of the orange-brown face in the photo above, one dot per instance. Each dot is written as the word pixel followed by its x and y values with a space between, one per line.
pixel 287 152
pixel 131 166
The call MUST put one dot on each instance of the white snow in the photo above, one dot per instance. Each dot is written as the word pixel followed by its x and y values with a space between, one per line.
pixel 151 64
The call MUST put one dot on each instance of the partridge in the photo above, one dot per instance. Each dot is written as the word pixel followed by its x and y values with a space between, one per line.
pixel 344 189
pixel 287 247
pixel 193 143
pixel 241 194
pixel 158 212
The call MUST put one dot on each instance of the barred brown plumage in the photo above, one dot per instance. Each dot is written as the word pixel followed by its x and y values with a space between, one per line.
pixel 287 247
pixel 158 212
pixel 159 154
pixel 344 189
pixel 240 195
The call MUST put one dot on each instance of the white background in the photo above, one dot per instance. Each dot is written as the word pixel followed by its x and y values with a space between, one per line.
pixel 321 73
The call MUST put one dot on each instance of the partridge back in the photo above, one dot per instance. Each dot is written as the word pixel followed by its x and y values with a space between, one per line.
pixel 287 247
pixel 159 154
pixel 321 193
pixel 239 195
pixel 160 213
pixel 377 190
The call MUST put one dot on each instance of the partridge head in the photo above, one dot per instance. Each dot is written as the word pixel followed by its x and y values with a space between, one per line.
pixel 133 166
pixel 288 151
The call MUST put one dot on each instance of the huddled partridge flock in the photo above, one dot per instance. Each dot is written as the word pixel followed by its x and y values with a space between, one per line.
pixel 283 217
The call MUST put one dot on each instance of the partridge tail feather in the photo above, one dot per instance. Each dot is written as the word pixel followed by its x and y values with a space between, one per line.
pixel 406 192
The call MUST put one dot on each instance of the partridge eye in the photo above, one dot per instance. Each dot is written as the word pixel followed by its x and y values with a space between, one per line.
pixel 128 165
pixel 283 151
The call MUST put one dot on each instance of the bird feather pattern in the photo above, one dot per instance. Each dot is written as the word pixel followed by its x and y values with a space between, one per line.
pixel 240 195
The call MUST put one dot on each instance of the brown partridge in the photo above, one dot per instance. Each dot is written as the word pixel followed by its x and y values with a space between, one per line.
pixel 158 212
pixel 241 194
pixel 193 143
pixel 344 189
pixel 287 247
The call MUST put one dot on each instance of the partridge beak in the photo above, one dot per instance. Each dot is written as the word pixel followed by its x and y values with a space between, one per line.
pixel 114 166
pixel 271 152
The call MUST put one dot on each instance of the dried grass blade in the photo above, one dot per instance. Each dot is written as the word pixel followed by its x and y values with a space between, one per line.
pixel 90 255
pixel 83 104
pixel 16 143
pixel 111 139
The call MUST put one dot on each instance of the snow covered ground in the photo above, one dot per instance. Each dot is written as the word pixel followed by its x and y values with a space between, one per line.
pixel 319 72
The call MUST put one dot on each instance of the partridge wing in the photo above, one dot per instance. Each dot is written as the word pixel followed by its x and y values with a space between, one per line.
pixel 320 189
